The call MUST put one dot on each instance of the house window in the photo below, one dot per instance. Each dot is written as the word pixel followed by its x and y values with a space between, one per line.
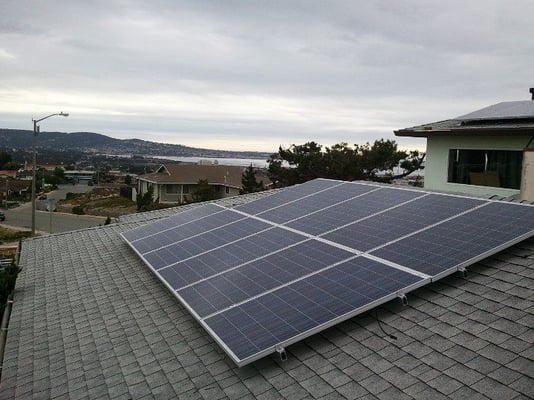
pixel 173 189
pixel 185 189
pixel 227 190
pixel 496 168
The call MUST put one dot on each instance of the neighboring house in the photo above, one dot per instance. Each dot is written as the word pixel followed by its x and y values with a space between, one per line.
pixel 6 173
pixel 90 320
pixel 175 183
pixel 14 186
pixel 480 153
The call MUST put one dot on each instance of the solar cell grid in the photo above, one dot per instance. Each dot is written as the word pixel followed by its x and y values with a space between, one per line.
pixel 262 275
pixel 451 243
pixel 400 221
pixel 266 321
pixel 286 196
pixel 315 202
pixel 204 242
pixel 186 230
pixel 352 210
pixel 180 218
pixel 231 255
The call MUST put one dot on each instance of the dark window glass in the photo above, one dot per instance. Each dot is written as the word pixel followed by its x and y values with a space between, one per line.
pixel 496 168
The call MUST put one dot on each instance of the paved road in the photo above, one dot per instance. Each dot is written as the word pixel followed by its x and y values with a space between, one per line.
pixel 52 222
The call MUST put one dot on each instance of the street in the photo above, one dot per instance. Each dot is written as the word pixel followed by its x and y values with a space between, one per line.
pixel 52 222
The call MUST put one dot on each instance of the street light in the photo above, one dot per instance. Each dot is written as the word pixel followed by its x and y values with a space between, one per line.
pixel 35 133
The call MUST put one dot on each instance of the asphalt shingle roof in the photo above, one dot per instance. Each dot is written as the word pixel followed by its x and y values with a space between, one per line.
pixel 90 321
pixel 191 173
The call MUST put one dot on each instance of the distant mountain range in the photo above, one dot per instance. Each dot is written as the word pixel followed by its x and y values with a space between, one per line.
pixel 96 143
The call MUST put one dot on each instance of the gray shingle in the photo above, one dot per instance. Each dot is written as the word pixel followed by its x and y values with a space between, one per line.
pixel 111 330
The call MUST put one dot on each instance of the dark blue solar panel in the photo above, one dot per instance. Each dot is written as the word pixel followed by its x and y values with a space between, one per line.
pixel 171 234
pixel 180 218
pixel 290 194
pixel 468 236
pixel 315 202
pixel 204 242
pixel 257 277
pixel 256 286
pixel 228 256
pixel 302 307
pixel 352 210
pixel 400 221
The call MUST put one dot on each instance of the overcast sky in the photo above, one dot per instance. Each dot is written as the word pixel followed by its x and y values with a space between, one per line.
pixel 253 75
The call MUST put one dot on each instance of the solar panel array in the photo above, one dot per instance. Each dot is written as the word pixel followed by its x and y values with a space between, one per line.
pixel 276 270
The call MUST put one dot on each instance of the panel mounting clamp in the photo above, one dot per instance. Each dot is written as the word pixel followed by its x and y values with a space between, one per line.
pixel 463 272
pixel 281 352
pixel 403 299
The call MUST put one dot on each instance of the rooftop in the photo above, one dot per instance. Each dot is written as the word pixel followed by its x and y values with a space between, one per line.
pixel 90 320
pixel 510 118
pixel 192 173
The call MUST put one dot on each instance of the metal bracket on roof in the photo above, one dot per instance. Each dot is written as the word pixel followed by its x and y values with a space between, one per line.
pixel 282 353
pixel 403 298
pixel 463 272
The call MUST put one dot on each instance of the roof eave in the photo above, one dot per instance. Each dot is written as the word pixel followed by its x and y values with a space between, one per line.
pixel 465 132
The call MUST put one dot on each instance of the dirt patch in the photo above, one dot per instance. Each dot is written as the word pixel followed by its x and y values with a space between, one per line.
pixel 102 202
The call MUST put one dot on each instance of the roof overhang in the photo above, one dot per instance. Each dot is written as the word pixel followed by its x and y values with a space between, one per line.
pixel 428 132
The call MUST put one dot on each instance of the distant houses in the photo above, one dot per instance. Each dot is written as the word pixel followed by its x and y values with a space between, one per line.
pixel 486 152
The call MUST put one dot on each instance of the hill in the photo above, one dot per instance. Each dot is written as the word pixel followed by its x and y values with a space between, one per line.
pixel 96 143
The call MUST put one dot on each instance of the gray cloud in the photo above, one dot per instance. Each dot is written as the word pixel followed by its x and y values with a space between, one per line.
pixel 271 73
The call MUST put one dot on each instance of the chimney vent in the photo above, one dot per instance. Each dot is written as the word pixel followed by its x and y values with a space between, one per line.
pixel 532 92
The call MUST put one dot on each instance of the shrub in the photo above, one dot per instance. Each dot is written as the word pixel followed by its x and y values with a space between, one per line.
pixel 78 210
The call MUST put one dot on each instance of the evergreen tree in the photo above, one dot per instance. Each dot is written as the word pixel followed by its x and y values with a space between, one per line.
pixel 361 162
pixel 203 192
pixel 249 184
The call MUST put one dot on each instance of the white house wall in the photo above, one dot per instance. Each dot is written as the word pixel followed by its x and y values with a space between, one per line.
pixel 437 161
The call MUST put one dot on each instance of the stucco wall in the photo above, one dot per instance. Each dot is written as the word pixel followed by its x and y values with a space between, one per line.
pixel 437 161
pixel 527 175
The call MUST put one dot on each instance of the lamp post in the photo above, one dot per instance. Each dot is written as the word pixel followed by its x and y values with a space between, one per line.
pixel 35 133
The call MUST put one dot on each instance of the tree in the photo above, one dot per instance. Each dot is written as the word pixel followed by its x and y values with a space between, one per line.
pixel 4 159
pixel 249 184
pixel 203 192
pixel 128 180
pixel 145 200
pixel 6 162
pixel 361 162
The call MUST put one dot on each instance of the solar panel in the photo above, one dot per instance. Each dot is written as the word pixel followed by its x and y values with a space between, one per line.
pixel 193 214
pixel 464 239
pixel 339 214
pixel 306 306
pixel 315 202
pixel 228 256
pixel 273 271
pixel 286 196
pixel 254 278
pixel 393 223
